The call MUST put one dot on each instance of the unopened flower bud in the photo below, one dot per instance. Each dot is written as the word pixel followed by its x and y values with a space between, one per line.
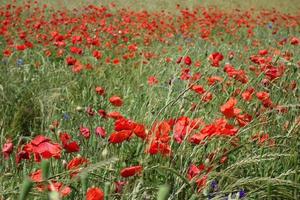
pixel 79 108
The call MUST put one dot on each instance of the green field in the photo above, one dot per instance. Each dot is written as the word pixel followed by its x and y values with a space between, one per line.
pixel 150 100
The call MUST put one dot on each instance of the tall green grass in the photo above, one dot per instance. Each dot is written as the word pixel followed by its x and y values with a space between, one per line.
pixel 32 98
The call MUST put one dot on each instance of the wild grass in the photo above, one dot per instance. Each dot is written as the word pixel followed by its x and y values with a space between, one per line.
pixel 288 6
pixel 31 98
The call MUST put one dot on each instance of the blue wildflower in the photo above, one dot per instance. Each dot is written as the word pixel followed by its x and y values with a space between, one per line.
pixel 214 185
pixel 242 193
pixel 66 116
pixel 20 62
pixel 238 195
pixel 270 25
pixel 188 40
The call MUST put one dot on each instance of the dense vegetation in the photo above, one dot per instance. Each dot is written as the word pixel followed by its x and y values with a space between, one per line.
pixel 107 102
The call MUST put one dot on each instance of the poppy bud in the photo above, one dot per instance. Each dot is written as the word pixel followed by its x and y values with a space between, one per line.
pixel 206 162
pixel 116 101
pixel 104 153
pixel 79 109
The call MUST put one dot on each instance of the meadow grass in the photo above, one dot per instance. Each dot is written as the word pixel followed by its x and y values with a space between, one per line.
pixel 31 98
pixel 289 6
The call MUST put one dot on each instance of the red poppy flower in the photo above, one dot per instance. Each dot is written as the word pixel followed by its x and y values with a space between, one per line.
pixel 219 127
pixel 42 146
pixel 263 138
pixel 193 171
pixel 161 131
pixel 223 159
pixel 183 126
pixel 207 97
pixel 99 90
pixel 139 131
pixel 94 193
pixel 224 129
pixel 197 138
pixel 201 183
pixel 264 97
pixel 119 186
pixel 28 44
pixel 7 148
pixel 21 47
pixel 214 79
pixel 7 52
pixel 198 89
pixel 70 60
pixel 77 67
pixel 85 132
pixel 76 50
pixel 119 137
pixel 60 52
pixel 36 176
pixel 116 101
pixel 115 115
pixel 68 145
pixel 244 119
pixel 76 163
pixel 179 60
pixel 89 110
pixel 116 61
pixel 228 108
pixel 247 95
pixel 188 60
pixel 263 52
pixel 231 55
pixel 196 76
pixel 124 124
pixel 88 66
pixel 100 131
pixel 274 72
pixel 63 191
pixel 230 70
pixel 158 146
pixel 102 113
pixel 185 74
pixel 168 60
pixel 22 35
pixel 295 41
pixel 97 54
pixel 241 77
pixel 152 80
pixel 131 171
pixel 215 59
pixel 76 39
pixel 72 147
pixel 21 155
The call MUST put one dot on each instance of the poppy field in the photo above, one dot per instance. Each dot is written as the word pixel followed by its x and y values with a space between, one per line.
pixel 107 101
